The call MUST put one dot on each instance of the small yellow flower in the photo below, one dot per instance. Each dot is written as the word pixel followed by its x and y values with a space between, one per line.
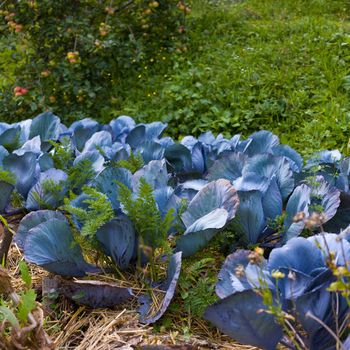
pixel 277 274
pixel 341 271
pixel 259 250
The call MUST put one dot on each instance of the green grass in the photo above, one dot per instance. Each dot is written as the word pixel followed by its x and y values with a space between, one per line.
pixel 258 64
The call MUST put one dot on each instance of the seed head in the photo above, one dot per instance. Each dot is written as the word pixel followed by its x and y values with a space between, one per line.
pixel 239 271
pixel 254 258
pixel 299 217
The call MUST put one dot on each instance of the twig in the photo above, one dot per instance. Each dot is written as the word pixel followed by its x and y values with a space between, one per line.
pixel 344 323
pixel 124 6
pixel 297 336
pixel 5 245
pixel 287 344
pixel 3 3
pixel 107 15
pixel 330 331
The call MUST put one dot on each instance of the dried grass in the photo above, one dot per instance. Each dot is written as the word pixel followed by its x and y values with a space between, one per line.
pixel 80 328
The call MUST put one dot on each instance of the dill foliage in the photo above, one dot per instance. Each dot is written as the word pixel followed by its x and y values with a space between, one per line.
pixel 99 211
pixel 17 200
pixel 197 285
pixel 7 176
pixel 133 163
pixel 62 153
pixel 144 213
pixel 80 174
pixel 51 192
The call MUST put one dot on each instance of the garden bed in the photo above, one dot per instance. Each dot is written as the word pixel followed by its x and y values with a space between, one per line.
pixel 81 328
pixel 242 233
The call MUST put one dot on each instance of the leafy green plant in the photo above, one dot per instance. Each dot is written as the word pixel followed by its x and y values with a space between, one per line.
pixel 26 305
pixel 17 200
pixel 25 274
pixel 50 189
pixel 80 174
pixel 62 153
pixel 98 211
pixel 7 176
pixel 230 240
pixel 144 213
pixel 197 286
pixel 18 324
pixel 149 224
pixel 133 163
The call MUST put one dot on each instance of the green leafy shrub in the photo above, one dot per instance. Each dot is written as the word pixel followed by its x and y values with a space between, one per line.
pixel 26 301
pixel 70 54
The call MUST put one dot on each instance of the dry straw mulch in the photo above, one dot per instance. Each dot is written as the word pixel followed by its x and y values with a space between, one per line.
pixel 77 327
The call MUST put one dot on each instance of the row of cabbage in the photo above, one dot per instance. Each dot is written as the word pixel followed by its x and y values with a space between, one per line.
pixel 256 186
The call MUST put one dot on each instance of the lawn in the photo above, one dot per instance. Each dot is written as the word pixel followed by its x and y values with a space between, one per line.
pixel 276 65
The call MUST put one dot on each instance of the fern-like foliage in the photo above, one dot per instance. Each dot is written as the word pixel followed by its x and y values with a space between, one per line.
pixel 98 212
pixel 7 176
pixel 62 153
pixel 80 174
pixel 197 285
pixel 134 163
pixel 144 213
pixel 17 200
pixel 52 189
